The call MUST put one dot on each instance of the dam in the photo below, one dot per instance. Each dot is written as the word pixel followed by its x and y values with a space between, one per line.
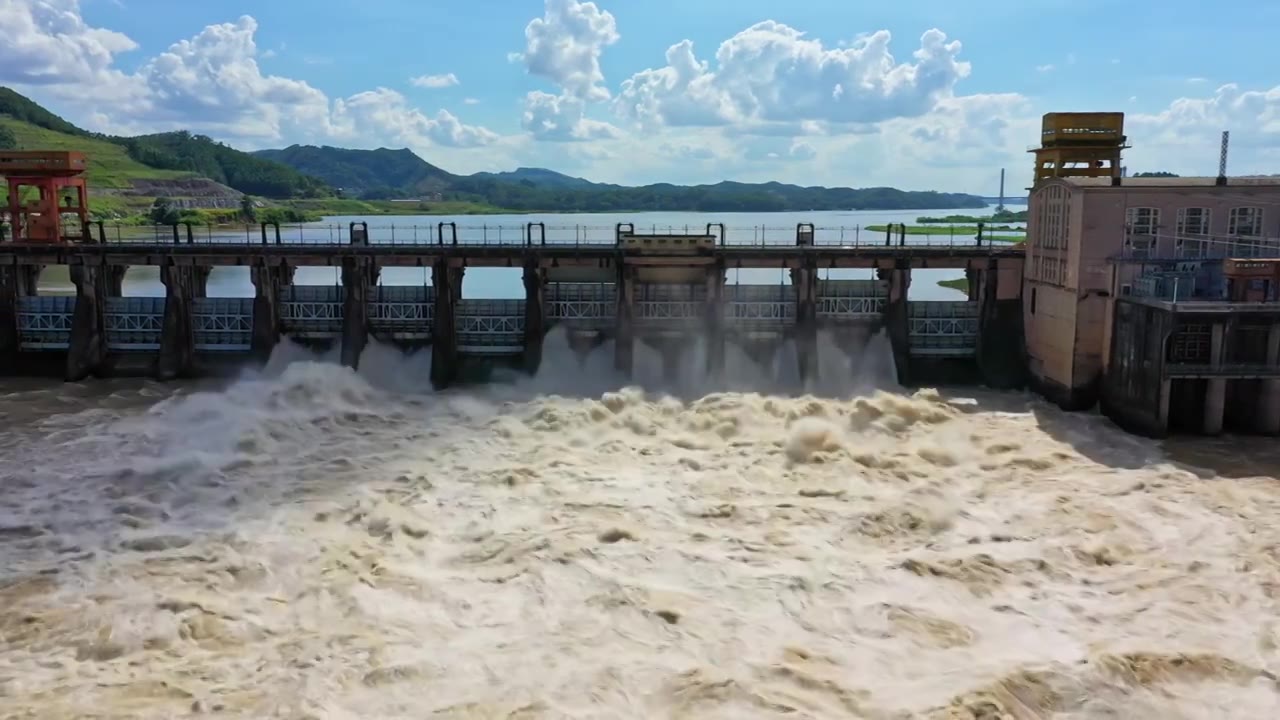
pixel 656 289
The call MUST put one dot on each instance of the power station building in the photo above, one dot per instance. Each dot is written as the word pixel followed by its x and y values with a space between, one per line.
pixel 1158 297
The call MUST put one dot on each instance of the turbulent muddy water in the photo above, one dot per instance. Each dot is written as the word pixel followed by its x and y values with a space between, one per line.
pixel 309 542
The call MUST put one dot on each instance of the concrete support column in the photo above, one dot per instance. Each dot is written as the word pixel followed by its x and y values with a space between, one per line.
pixel 897 320
pixel 358 274
pixel 805 281
pixel 1215 404
pixel 16 281
pixel 715 320
pixel 625 341
pixel 975 280
pixel 183 284
pixel 268 281
pixel 113 277
pixel 1215 395
pixel 87 350
pixel 1000 346
pixel 670 352
pixel 1269 403
pixel 535 281
pixel 1162 408
pixel 447 281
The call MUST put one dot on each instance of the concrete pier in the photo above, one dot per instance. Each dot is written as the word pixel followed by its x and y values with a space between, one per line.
pixel 897 320
pixel 183 283
pixel 357 275
pixel 805 281
pixel 625 337
pixel 670 351
pixel 714 310
pixel 87 348
pixel 113 278
pixel 535 280
pixel 1001 352
pixel 16 281
pixel 1269 403
pixel 1215 405
pixel 447 281
pixel 1215 394
pixel 268 281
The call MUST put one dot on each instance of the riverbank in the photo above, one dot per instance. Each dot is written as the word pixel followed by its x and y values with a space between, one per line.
pixel 992 233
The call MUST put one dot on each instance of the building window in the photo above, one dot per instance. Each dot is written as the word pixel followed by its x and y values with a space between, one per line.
pixel 1066 218
pixel 1142 221
pixel 1193 221
pixel 1140 230
pixel 1245 221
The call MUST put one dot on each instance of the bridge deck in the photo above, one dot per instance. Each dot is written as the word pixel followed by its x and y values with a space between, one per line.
pixel 493 255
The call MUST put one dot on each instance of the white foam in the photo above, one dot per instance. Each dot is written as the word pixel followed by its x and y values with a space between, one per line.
pixel 309 540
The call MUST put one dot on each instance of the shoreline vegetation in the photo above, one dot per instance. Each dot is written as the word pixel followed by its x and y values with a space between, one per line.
pixel 960 284
pixel 999 216
pixel 992 233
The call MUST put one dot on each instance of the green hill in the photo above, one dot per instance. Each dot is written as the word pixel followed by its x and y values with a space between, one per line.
pixel 182 151
pixel 382 174
pixel 197 173
pixel 126 175
pixel 109 164
pixel 540 176
pixel 371 174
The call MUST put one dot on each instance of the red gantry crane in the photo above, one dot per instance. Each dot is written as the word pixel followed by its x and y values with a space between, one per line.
pixel 59 182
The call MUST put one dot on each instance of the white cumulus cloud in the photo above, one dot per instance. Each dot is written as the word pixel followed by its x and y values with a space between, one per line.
pixel 771 72
pixel 435 82
pixel 48 42
pixel 562 117
pixel 387 114
pixel 209 83
pixel 1184 137
pixel 565 44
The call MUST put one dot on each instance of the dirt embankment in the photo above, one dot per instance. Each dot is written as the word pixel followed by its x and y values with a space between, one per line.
pixel 186 193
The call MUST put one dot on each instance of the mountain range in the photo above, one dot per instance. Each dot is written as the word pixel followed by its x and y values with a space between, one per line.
pixel 400 174
pixel 126 174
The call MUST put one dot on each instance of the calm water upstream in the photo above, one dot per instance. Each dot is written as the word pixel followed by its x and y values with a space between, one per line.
pixel 310 542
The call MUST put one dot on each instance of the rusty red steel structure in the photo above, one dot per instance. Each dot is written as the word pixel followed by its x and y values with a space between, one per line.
pixel 61 190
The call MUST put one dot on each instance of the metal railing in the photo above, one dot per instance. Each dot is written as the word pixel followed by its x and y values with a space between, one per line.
pixel 531 235
pixel 1228 370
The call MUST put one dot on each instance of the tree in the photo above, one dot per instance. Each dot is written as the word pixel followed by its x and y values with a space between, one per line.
pixel 163 212
pixel 248 209
pixel 7 139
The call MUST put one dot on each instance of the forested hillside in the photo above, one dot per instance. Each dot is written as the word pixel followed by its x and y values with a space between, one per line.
pixel 383 173
pixel 328 180
pixel 178 153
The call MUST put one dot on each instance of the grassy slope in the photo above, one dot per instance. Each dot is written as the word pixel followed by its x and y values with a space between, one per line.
pixel 109 165
pixel 339 206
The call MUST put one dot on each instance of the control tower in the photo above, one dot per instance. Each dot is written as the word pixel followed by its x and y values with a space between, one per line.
pixel 1080 145
pixel 58 181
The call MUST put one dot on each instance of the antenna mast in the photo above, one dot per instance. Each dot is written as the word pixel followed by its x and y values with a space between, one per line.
pixel 1222 157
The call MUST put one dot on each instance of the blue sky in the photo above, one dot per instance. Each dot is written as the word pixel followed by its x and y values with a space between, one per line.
pixel 915 93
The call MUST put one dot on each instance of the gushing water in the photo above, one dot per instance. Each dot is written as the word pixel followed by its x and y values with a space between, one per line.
pixel 312 542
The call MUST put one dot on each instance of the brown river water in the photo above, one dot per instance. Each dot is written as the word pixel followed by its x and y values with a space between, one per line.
pixel 311 542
